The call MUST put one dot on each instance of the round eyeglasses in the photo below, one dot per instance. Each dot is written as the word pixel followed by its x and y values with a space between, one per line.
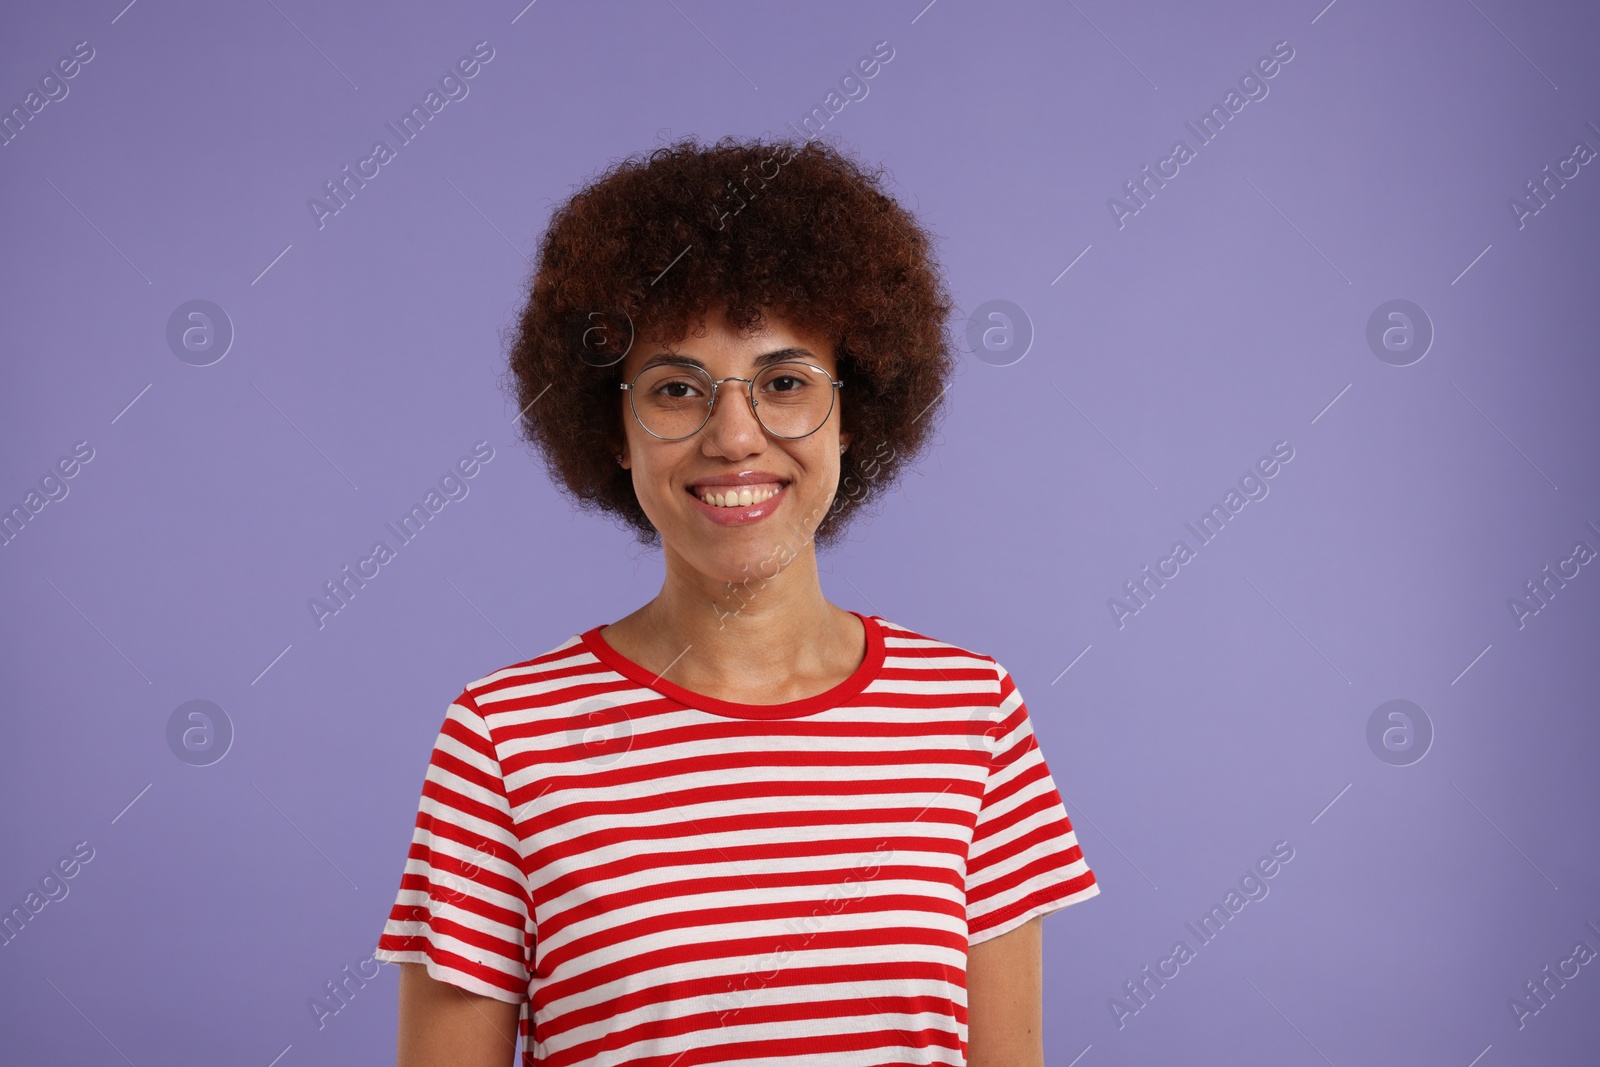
pixel 673 401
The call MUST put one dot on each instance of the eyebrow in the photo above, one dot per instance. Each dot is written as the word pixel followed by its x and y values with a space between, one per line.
pixel 778 355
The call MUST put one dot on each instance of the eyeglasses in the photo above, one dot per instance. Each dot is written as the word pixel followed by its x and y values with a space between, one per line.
pixel 674 401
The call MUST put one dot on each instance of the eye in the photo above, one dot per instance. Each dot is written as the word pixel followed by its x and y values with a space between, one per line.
pixel 677 390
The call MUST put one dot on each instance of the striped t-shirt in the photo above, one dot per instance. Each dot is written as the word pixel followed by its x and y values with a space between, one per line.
pixel 664 879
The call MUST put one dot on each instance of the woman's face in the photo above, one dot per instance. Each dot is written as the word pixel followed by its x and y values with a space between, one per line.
pixel 672 478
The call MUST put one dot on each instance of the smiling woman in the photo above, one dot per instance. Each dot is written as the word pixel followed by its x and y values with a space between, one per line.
pixel 734 824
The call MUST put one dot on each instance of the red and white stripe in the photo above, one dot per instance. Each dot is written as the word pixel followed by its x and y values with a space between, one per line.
pixel 664 880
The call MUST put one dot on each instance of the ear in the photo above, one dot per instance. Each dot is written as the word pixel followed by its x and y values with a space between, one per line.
pixel 625 458
pixel 844 440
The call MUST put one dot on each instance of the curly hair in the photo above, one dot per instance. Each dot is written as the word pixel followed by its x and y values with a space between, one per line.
pixel 656 241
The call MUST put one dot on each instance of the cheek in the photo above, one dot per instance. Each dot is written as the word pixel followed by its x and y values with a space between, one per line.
pixel 651 474
pixel 826 476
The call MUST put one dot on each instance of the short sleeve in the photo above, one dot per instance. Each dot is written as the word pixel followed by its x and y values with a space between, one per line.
pixel 463 908
pixel 1024 859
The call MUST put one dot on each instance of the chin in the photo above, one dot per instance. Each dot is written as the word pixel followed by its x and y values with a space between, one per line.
pixel 750 555
pixel 756 560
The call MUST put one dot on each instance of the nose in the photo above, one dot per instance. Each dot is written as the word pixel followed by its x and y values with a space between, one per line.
pixel 733 431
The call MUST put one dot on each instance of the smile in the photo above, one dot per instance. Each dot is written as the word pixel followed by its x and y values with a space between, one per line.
pixel 738 497
pixel 738 505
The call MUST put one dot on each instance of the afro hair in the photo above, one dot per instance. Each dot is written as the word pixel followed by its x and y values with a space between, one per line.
pixel 659 239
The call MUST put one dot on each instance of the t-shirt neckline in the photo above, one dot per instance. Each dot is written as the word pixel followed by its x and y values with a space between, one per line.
pixel 831 698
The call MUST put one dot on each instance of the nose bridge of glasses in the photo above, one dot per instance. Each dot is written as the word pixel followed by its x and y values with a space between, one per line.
pixel 716 391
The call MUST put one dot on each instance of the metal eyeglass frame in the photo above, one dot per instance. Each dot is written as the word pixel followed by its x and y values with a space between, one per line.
pixel 750 390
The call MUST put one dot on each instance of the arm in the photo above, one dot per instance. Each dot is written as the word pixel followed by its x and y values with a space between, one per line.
pixel 444 1026
pixel 1005 994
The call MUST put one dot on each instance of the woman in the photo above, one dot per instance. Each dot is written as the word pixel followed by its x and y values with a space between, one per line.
pixel 740 822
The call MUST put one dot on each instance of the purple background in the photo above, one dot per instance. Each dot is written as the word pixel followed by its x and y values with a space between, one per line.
pixel 1228 314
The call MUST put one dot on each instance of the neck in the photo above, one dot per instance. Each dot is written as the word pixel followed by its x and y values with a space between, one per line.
pixel 769 625
pixel 770 598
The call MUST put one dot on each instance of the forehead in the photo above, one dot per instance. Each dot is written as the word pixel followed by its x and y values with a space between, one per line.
pixel 716 345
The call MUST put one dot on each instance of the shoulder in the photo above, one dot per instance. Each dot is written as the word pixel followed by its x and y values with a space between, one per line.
pixel 906 649
pixel 548 680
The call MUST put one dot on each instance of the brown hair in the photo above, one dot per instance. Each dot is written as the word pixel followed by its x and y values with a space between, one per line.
pixel 801 229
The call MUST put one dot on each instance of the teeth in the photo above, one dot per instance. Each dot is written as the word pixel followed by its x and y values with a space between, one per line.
pixel 741 497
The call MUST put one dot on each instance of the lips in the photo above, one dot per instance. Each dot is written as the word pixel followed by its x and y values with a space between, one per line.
pixel 741 478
